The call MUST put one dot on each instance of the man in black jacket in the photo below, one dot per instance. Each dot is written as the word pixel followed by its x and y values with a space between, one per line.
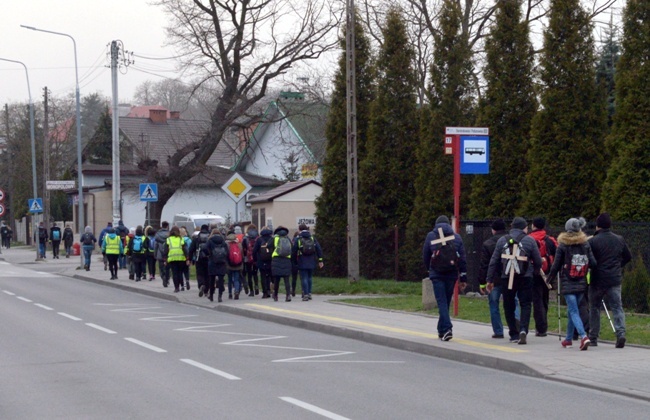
pixel 612 254
pixel 498 230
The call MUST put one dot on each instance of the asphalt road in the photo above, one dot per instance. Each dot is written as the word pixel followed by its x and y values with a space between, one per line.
pixel 76 350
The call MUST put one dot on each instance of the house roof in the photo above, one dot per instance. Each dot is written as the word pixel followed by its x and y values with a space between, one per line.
pixel 306 119
pixel 282 190
pixel 158 141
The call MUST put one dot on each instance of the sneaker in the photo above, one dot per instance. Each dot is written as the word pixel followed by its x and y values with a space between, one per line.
pixel 584 343
pixel 229 296
pixel 309 296
pixel 514 339
pixel 566 343
pixel 497 335
pixel 237 296
pixel 594 342
pixel 257 292
pixel 275 297
pixel 305 299
pixel 246 290
pixel 288 299
pixel 211 298
pixel 522 338
pixel 620 342
pixel 447 336
pixel 220 299
pixel 187 285
pixel 540 334
pixel 201 291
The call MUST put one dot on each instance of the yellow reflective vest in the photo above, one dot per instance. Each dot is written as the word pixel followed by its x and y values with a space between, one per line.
pixel 175 250
pixel 112 244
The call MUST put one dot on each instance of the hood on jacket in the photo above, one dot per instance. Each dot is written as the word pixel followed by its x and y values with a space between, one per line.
pixel 305 234
pixel 281 230
pixel 252 233
pixel 217 239
pixel 266 232
pixel 446 228
pixel 538 234
pixel 231 237
pixel 572 238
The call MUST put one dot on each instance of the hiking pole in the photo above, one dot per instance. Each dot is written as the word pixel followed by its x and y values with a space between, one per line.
pixel 608 317
pixel 559 319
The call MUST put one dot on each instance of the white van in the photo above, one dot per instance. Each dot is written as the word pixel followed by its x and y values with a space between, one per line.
pixel 192 221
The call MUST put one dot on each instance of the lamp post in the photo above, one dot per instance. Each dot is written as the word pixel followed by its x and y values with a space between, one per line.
pixel 31 132
pixel 80 212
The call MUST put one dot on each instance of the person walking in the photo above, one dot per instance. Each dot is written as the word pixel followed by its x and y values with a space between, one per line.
pixel 42 236
pixel 88 242
pixel 250 267
pixel 235 265
pixel 68 239
pixel 308 255
pixel 294 268
pixel 218 256
pixel 200 258
pixel 176 257
pixel 102 234
pixel 612 254
pixel 443 254
pixel 112 247
pixel 159 252
pixel 573 259
pixel 150 243
pixel 122 231
pixel 55 238
pixel 186 269
pixel 547 247
pixel 3 233
pixel 10 236
pixel 494 296
pixel 281 261
pixel 514 260
pixel 263 256
pixel 137 253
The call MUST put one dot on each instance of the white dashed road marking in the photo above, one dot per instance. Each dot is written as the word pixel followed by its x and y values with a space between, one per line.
pixel 313 408
pixel 210 369
pixel 145 345
pixel 100 328
pixel 47 308
pixel 74 318
pixel 24 299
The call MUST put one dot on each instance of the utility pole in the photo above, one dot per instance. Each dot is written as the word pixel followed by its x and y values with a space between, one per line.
pixel 117 54
pixel 352 163
pixel 46 159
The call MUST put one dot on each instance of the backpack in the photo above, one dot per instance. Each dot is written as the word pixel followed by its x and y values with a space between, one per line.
pixel 152 243
pixel 308 246
pixel 265 251
pixel 87 239
pixel 219 254
pixel 547 258
pixel 577 263
pixel 41 234
pixel 56 235
pixel 444 259
pixel 284 246
pixel 234 254
pixel 250 244
pixel 201 246
pixel 521 266
pixel 137 243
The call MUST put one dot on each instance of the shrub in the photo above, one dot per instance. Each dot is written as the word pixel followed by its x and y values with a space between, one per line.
pixel 636 288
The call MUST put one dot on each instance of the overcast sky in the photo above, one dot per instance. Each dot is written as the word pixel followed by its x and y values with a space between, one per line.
pixel 93 24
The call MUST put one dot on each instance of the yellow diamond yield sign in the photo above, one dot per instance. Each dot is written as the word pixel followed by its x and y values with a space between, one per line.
pixel 236 187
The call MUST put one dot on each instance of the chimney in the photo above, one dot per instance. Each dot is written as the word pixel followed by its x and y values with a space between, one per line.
pixel 158 116
pixel 174 115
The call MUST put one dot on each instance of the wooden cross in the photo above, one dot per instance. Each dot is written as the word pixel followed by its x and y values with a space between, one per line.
pixel 442 238
pixel 512 264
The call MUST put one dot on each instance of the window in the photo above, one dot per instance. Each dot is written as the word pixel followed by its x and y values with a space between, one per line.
pixel 255 218
pixel 262 217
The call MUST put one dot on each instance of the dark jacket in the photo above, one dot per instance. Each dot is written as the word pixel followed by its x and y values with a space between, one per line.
pixel 41 235
pixel 264 238
pixel 428 249
pixel 280 266
pixel 486 254
pixel 306 262
pixel 195 247
pixel 612 254
pixel 159 244
pixel 60 234
pixel 68 236
pixel 231 240
pixel 529 247
pixel 215 269
pixel 249 241
pixel 567 241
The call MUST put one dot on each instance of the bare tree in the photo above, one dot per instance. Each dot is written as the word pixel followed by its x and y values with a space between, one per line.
pixel 242 46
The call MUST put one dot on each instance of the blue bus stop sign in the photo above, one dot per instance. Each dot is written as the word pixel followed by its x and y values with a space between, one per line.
pixel 474 154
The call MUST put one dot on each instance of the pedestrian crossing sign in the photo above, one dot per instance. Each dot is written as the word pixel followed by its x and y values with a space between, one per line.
pixel 35 205
pixel 149 192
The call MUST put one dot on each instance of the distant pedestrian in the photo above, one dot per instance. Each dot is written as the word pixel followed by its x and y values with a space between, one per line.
pixel 112 247
pixel 122 231
pixel 3 233
pixel 612 254
pixel 235 265
pixel 88 242
pixel 55 237
pixel 250 267
pixel 573 259
pixel 218 256
pixel 159 251
pixel 308 255
pixel 10 236
pixel 263 256
pixel 42 237
pixel 102 234
pixel 494 296
pixel 443 254
pixel 68 240
pixel 515 257
pixel 137 253
pixel 150 242
pixel 176 257
pixel 294 268
pixel 547 246
pixel 281 261
pixel 188 242
pixel 200 258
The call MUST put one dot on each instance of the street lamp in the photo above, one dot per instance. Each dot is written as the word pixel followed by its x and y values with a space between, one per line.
pixel 80 212
pixel 31 133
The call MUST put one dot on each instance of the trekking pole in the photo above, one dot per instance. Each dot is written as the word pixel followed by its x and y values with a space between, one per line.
pixel 559 319
pixel 608 317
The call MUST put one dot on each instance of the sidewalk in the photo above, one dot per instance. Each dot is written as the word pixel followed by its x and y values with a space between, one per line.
pixel 622 371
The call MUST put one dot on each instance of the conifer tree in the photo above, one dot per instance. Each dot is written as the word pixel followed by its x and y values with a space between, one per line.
pixel 385 177
pixel 626 193
pixel 610 53
pixel 331 205
pixel 566 154
pixel 100 146
pixel 507 108
pixel 451 103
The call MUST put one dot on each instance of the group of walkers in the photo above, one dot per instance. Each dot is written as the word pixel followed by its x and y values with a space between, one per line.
pixel 54 237
pixel 522 267
pixel 250 261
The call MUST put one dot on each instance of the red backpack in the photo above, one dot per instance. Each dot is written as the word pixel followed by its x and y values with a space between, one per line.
pixel 234 253
pixel 547 258
pixel 250 244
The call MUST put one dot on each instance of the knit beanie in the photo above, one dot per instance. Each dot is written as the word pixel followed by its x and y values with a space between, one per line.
pixel 539 222
pixel 499 225
pixel 604 221
pixel 574 224
pixel 519 223
pixel 442 219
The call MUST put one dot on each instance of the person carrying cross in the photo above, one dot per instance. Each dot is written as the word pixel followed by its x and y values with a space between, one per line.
pixel 443 254
pixel 511 261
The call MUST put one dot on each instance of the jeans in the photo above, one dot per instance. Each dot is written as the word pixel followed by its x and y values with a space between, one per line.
pixel 88 252
pixel 306 280
pixel 613 295
pixel 122 261
pixel 495 314
pixel 443 290
pixel 233 281
pixel 41 249
pixel 572 302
